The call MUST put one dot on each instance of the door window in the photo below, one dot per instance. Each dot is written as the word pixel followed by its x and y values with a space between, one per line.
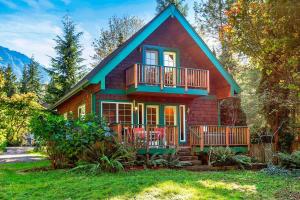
pixel 152 115
pixel 170 68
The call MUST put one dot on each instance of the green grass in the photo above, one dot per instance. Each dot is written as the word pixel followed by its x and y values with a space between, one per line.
pixel 145 184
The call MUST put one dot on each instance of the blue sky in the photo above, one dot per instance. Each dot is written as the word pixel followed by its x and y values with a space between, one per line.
pixel 29 26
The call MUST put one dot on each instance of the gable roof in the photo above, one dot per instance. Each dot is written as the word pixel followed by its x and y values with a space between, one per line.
pixel 98 74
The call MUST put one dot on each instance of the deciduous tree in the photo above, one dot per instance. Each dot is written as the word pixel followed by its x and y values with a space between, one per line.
pixel 119 30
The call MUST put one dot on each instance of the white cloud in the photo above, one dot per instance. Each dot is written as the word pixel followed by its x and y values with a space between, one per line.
pixel 30 35
pixel 39 4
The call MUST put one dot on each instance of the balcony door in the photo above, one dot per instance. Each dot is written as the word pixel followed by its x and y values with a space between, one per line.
pixel 151 68
pixel 170 68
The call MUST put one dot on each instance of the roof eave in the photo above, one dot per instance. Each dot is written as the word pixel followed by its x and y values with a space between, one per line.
pixel 70 94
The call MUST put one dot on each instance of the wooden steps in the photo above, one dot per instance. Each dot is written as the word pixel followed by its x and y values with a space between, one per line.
pixel 185 155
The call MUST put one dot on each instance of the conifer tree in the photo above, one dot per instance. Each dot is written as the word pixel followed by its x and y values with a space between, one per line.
pixel 24 80
pixel 34 83
pixel 66 68
pixel 10 86
pixel 162 4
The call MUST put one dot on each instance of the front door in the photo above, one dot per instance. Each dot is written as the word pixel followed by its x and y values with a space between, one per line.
pixel 170 115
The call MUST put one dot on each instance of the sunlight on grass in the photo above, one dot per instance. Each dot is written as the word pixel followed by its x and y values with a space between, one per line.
pixel 166 190
pixel 228 186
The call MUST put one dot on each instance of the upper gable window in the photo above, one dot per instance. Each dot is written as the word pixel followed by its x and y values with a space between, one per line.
pixel 151 57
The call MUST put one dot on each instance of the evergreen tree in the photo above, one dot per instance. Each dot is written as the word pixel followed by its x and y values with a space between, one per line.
pixel 162 4
pixel 24 80
pixel 10 86
pixel 119 30
pixel 33 84
pixel 66 68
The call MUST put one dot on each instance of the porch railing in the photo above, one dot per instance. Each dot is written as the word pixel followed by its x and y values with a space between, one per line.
pixel 165 76
pixel 146 136
pixel 219 136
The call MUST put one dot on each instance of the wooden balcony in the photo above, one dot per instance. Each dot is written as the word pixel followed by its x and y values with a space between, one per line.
pixel 173 79
pixel 230 136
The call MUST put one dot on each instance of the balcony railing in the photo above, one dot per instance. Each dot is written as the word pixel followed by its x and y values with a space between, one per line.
pixel 146 136
pixel 219 136
pixel 165 76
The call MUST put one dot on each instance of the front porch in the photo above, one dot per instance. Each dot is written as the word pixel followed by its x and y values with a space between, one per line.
pixel 151 139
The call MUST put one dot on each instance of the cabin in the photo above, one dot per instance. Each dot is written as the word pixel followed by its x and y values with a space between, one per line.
pixel 161 91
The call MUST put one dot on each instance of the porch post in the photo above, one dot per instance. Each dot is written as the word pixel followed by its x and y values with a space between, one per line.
pixel 201 138
pixel 208 87
pixel 161 78
pixel 185 79
pixel 227 136
pixel 248 138
pixel 135 71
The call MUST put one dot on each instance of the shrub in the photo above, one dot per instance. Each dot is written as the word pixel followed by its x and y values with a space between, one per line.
pixel 170 160
pixel 275 170
pixel 224 156
pixel 290 160
pixel 87 140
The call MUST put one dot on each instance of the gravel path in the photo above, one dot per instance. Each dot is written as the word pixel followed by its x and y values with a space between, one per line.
pixel 18 154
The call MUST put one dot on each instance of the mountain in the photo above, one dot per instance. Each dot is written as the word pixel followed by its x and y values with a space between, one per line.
pixel 17 61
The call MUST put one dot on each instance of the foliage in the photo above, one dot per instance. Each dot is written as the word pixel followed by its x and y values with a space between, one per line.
pixel 10 86
pixel 290 160
pixel 267 32
pixel 210 18
pixel 225 156
pixel 30 81
pixel 16 112
pixel 169 160
pixel 65 69
pixel 119 30
pixel 162 4
pixel 86 140
pixel 139 184
pixel 275 170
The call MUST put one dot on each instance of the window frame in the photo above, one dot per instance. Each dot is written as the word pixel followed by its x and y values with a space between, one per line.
pixel 182 119
pixel 82 106
pixel 117 109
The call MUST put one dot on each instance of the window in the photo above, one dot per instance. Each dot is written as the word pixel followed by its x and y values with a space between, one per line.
pixel 117 112
pixel 152 115
pixel 125 113
pixel 140 113
pixel 151 57
pixel 169 59
pixel 170 115
pixel 109 112
pixel 81 111
pixel 182 122
pixel 66 115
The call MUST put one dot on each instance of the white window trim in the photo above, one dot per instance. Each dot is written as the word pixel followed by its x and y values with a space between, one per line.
pixel 82 106
pixel 184 125
pixel 66 115
pixel 117 109
pixel 157 113
pixel 138 113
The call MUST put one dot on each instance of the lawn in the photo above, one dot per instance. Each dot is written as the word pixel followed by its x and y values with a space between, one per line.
pixel 145 184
